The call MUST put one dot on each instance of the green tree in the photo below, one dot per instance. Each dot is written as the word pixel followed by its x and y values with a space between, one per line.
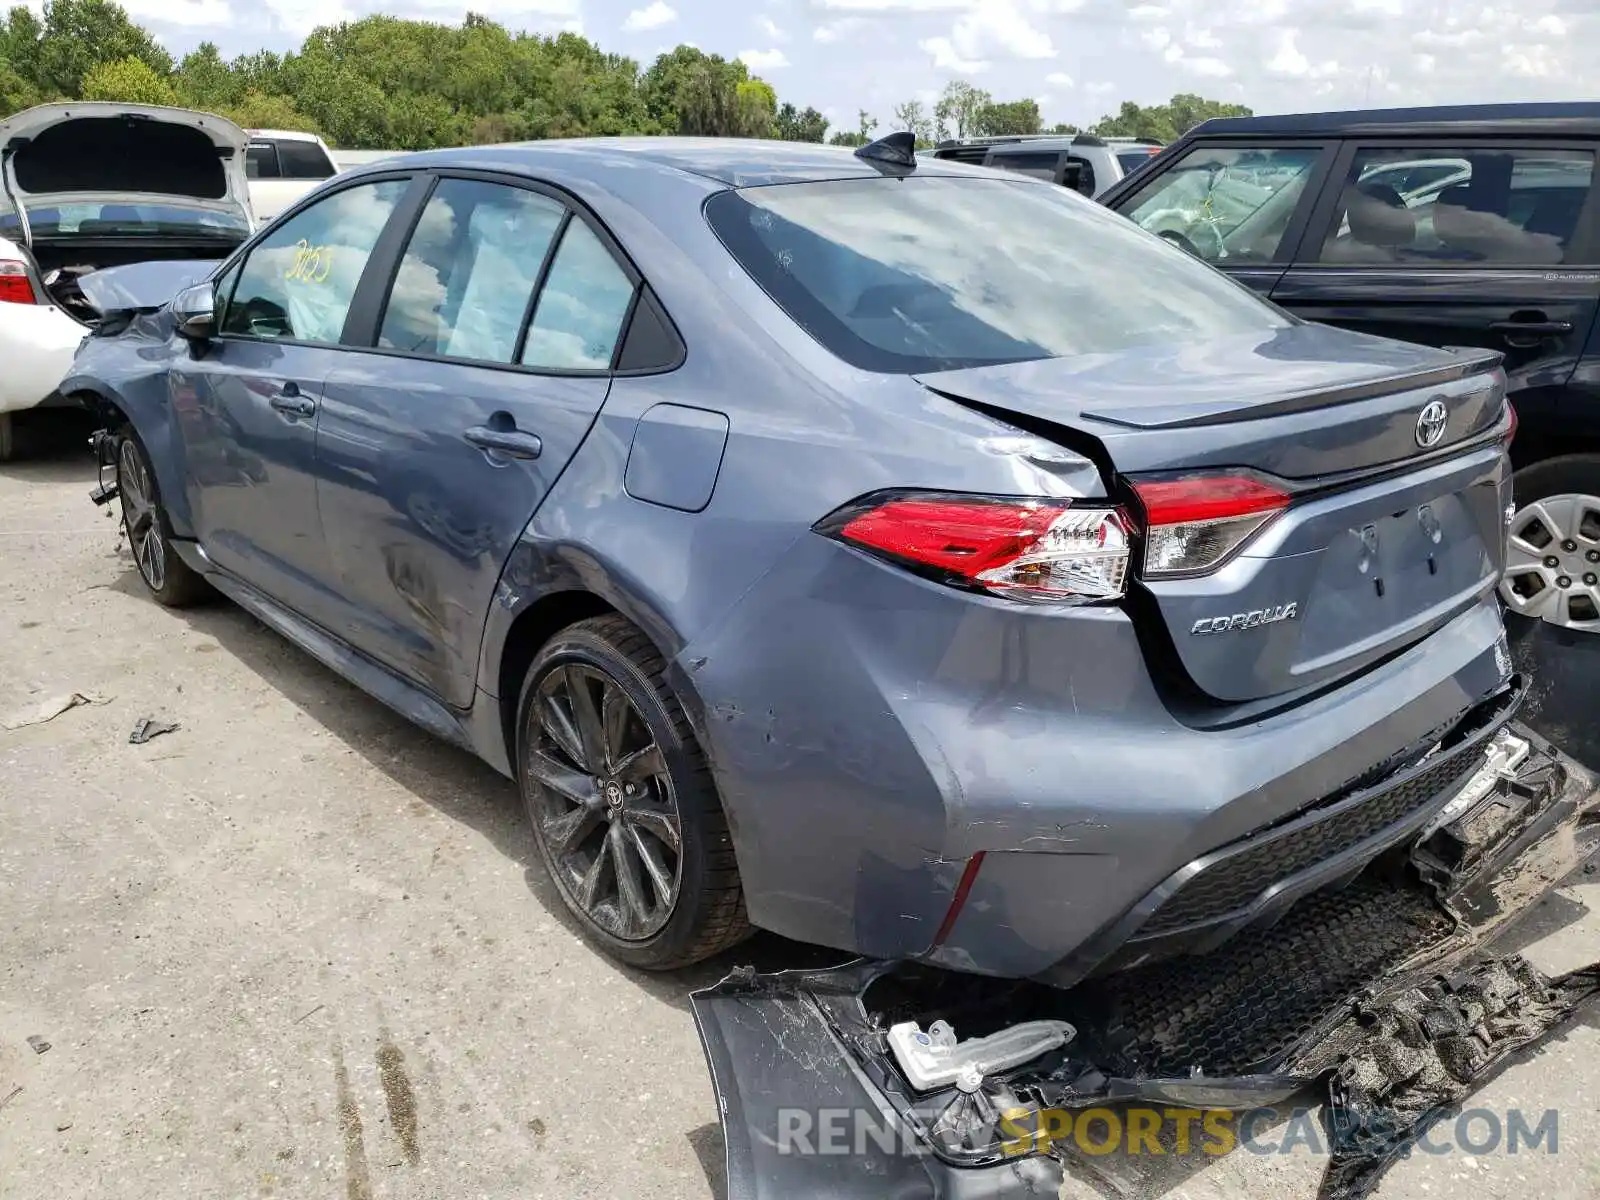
pixel 129 80
pixel 691 92
pixel 1010 117
pixel 914 118
pixel 78 35
pixel 792 125
pixel 1064 128
pixel 956 112
pixel 258 110
pixel 1165 122
pixel 204 81
pixel 865 126
pixel 757 108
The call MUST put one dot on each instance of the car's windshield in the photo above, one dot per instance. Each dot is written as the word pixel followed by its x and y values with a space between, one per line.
pixel 117 219
pixel 937 273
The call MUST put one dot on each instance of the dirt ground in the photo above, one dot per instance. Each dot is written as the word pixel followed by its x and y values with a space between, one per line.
pixel 298 949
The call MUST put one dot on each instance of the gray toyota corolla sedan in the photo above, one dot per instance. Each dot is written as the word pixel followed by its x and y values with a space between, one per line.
pixel 883 552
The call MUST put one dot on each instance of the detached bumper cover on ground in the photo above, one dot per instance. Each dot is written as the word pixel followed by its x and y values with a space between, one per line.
pixel 1385 992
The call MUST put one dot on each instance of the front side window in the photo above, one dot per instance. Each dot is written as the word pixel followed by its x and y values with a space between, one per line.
pixel 936 273
pixel 1224 204
pixel 297 282
pixel 1443 206
pixel 468 272
pixel 582 306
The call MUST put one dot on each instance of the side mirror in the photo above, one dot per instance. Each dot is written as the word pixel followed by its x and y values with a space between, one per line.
pixel 194 311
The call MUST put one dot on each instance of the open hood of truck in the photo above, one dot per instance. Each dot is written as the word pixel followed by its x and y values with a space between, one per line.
pixel 108 154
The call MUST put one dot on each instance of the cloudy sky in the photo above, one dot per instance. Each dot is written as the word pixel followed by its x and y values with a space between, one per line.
pixel 1079 58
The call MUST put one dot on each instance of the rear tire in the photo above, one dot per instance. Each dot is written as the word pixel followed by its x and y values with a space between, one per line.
pixel 8 438
pixel 167 577
pixel 612 776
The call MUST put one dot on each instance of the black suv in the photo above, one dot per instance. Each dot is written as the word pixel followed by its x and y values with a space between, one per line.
pixel 1466 226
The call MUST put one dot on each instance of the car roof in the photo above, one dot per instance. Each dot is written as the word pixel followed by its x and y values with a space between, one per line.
pixel 283 135
pixel 1577 118
pixel 737 162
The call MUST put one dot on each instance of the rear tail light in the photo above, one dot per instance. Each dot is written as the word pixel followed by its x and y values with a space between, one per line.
pixel 1195 525
pixel 15 286
pixel 1050 551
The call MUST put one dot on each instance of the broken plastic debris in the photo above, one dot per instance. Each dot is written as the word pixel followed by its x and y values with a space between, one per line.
pixel 49 710
pixel 149 727
pixel 937 1059
pixel 39 1044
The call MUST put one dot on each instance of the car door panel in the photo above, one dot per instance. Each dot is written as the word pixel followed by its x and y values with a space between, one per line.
pixel 489 361
pixel 247 413
pixel 1538 319
pixel 1538 315
pixel 420 513
pixel 248 404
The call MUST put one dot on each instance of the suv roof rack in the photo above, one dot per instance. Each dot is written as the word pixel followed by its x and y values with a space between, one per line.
pixel 1077 139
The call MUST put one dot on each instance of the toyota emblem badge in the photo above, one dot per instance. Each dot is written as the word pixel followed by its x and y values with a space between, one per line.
pixel 1431 423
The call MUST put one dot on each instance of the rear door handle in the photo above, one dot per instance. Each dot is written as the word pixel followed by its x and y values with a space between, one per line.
pixel 1535 327
pixel 513 443
pixel 291 401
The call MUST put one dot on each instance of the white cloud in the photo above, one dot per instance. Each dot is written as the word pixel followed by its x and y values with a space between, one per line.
pixel 946 58
pixel 834 30
pixel 652 16
pixel 770 28
pixel 194 13
pixel 1059 79
pixel 763 60
pixel 893 6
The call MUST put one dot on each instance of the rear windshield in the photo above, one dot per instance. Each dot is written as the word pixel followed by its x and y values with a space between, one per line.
pixel 127 221
pixel 912 275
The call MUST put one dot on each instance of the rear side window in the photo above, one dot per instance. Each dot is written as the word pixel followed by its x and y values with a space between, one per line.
pixel 1462 205
pixel 582 306
pixel 261 161
pixel 936 273
pixel 1226 204
pixel 298 281
pixel 469 270
pixel 303 160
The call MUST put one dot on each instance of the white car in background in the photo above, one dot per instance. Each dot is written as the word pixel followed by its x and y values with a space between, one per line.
pixel 282 166
pixel 85 186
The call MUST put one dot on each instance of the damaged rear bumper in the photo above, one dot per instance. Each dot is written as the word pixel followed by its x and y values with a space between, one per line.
pixel 1383 990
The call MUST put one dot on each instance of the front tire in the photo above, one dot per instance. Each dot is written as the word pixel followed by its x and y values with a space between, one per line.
pixel 1553 557
pixel 622 802
pixel 167 577
pixel 8 438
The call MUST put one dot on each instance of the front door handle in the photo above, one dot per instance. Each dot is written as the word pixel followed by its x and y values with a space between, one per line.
pixel 513 443
pixel 291 401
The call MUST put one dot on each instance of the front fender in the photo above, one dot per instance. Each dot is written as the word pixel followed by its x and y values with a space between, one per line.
pixel 125 378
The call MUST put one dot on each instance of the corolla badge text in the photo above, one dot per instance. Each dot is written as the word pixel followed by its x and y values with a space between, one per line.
pixel 1246 620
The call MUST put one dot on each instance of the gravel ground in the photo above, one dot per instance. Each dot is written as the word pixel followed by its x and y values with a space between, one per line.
pixel 298 949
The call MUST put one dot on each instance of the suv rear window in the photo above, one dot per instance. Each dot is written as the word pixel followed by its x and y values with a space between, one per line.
pixel 937 273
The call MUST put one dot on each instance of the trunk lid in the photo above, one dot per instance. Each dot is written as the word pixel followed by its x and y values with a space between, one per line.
pixel 65 165
pixel 1384 538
